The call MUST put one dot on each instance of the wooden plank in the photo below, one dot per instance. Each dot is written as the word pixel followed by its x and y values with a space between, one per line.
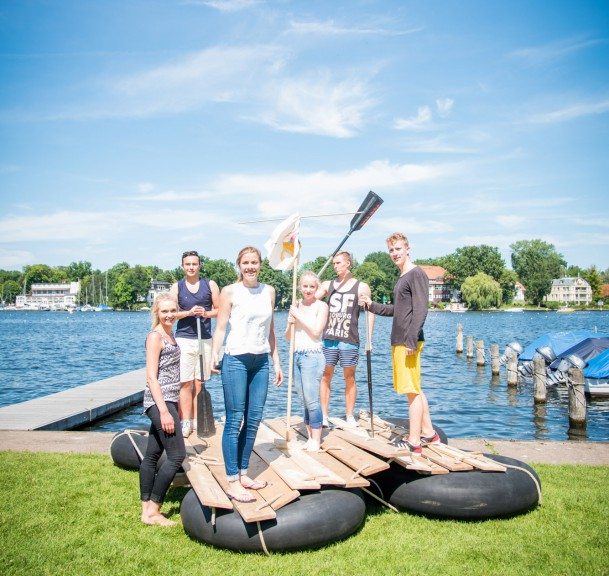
pixel 420 464
pixel 277 493
pixel 208 490
pixel 285 466
pixel 294 450
pixel 417 464
pixel 445 460
pixel 350 478
pixel 210 451
pixel 379 446
pixel 475 459
pixel 363 462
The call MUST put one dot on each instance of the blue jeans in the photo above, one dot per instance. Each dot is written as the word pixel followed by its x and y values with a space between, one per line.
pixel 308 370
pixel 245 380
pixel 154 484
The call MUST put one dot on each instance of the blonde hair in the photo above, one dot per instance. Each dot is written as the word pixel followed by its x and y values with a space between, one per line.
pixel 154 312
pixel 242 253
pixel 309 274
pixel 396 237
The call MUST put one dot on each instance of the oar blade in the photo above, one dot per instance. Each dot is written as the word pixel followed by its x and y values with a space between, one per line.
pixel 206 426
pixel 368 207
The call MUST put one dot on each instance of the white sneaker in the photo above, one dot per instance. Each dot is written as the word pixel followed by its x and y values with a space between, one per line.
pixel 351 421
pixel 194 425
pixel 325 422
pixel 186 428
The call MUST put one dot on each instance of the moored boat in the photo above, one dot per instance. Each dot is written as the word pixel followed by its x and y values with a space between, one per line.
pixel 596 375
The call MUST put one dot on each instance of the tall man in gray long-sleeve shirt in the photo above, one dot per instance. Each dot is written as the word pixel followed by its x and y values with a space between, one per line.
pixel 409 310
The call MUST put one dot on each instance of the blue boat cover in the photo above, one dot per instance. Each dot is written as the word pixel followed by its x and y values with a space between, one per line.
pixel 598 367
pixel 559 342
pixel 586 349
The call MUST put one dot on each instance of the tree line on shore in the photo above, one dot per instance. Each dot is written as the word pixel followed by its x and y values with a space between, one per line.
pixel 478 272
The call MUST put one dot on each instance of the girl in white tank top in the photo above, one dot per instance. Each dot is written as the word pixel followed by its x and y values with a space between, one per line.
pixel 307 320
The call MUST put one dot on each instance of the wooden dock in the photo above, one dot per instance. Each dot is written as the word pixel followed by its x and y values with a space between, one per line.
pixel 349 455
pixel 77 406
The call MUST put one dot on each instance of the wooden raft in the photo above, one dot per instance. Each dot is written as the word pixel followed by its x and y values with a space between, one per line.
pixel 348 455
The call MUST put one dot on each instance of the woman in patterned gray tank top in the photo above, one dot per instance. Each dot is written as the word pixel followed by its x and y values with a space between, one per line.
pixel 161 406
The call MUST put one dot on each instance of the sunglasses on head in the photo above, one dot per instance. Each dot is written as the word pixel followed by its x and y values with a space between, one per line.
pixel 190 253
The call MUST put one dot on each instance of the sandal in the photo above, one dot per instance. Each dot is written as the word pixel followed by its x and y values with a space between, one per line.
pixel 243 497
pixel 254 485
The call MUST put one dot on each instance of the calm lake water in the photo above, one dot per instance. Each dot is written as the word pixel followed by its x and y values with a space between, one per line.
pixel 45 352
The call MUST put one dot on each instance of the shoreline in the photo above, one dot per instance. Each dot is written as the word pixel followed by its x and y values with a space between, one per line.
pixel 529 451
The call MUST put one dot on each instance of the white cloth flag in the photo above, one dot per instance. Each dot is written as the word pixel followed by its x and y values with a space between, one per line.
pixel 283 245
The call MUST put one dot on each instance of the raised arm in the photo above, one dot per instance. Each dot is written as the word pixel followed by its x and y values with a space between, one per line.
pixel 323 290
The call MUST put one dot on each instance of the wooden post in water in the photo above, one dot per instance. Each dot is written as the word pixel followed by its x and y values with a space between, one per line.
pixel 470 347
pixel 494 359
pixel 459 339
pixel 512 368
pixel 480 360
pixel 539 379
pixel 577 399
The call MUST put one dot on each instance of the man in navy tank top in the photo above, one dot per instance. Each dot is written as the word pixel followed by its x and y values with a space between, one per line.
pixel 341 335
pixel 198 301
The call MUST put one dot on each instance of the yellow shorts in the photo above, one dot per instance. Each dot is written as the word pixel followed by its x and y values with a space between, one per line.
pixel 406 369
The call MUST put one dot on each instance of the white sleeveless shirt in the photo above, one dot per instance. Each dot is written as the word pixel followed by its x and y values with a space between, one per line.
pixel 302 341
pixel 249 321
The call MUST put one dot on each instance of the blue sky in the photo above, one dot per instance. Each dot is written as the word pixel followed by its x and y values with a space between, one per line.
pixel 134 130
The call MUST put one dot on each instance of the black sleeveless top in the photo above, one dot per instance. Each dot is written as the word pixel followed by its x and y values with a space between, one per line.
pixel 343 315
pixel 187 327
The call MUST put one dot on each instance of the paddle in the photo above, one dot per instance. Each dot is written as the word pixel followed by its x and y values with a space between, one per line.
pixel 367 208
pixel 284 442
pixel 369 367
pixel 205 412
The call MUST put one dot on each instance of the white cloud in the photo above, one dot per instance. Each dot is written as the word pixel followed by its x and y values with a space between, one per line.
pixel 214 75
pixel 511 221
pixel 421 121
pixel 318 104
pixel 227 5
pixel 330 28
pixel 324 190
pixel 145 187
pixel 315 103
pixel 596 222
pixel 444 106
pixel 438 145
pixel 538 55
pixel 14 259
pixel 572 112
pixel 59 226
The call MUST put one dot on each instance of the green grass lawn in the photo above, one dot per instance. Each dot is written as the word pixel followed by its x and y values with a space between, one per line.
pixel 79 515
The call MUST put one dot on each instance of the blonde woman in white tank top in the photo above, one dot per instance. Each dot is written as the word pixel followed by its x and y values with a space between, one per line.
pixel 309 317
pixel 246 307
